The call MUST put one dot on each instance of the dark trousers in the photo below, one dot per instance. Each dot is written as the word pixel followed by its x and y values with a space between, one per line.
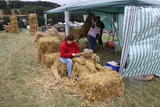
pixel 92 43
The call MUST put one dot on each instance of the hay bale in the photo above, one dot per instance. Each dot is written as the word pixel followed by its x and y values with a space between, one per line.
pixel 13 17
pixel 39 35
pixel 14 24
pixel 84 65
pixel 53 32
pixel 61 67
pixel 102 86
pixel 47 45
pixel 33 23
pixel 50 33
pixel 49 59
pixel 88 53
pixel 97 82
pixel 100 67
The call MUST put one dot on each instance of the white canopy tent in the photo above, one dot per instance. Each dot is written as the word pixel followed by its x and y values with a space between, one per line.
pixel 140 54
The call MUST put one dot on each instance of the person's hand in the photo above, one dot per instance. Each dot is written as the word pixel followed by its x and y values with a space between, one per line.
pixel 73 54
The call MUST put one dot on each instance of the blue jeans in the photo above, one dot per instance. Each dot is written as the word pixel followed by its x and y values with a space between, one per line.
pixel 92 43
pixel 69 63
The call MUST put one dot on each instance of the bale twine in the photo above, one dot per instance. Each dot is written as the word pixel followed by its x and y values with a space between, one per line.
pixel 101 86
pixel 33 23
pixel 49 59
pixel 47 45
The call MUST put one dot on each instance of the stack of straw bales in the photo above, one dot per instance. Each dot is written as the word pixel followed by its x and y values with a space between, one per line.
pixel 8 29
pixel 14 24
pixel 97 82
pixel 33 23
pixel 47 45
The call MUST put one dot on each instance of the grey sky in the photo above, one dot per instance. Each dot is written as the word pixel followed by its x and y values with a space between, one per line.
pixel 59 1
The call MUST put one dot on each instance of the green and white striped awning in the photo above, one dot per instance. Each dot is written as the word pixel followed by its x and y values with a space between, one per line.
pixel 141 33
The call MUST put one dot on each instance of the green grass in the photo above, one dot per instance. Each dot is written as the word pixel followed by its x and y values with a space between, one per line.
pixel 24 83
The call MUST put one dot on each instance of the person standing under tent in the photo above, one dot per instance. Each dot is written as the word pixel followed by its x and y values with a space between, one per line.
pixel 68 50
pixel 101 32
pixel 93 33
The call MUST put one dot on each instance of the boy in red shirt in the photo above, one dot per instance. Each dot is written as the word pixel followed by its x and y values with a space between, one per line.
pixel 68 50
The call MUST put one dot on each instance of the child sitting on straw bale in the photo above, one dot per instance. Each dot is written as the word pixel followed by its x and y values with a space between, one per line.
pixel 68 50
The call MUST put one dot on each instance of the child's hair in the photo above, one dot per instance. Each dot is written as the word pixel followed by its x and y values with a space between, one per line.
pixel 70 37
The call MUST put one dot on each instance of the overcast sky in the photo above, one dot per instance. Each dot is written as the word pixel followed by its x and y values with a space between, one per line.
pixel 61 2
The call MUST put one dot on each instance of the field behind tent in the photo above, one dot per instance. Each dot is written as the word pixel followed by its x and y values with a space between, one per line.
pixel 24 83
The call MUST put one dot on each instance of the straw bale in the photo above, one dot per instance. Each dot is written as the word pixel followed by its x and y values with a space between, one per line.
pixel 88 53
pixel 13 17
pixel 91 66
pixel 33 23
pixel 98 83
pixel 99 67
pixel 49 59
pixel 54 32
pixel 55 72
pixel 50 33
pixel 78 69
pixel 32 16
pixel 102 86
pixel 61 67
pixel 14 24
pixel 47 45
pixel 82 64
pixel 81 61
pixel 95 58
pixel 39 35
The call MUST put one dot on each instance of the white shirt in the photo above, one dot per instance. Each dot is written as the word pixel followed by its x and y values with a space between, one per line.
pixel 94 31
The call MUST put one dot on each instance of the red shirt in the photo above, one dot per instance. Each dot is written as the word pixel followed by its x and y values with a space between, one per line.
pixel 67 50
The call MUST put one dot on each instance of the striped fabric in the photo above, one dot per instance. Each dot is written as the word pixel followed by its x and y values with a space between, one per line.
pixel 141 33
pixel 120 28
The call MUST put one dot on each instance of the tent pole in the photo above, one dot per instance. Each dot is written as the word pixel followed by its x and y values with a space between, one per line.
pixel 45 18
pixel 66 13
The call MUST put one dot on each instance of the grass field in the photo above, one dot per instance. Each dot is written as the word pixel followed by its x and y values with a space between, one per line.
pixel 24 83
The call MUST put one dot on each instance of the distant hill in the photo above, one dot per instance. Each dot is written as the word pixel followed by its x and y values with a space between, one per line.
pixel 20 4
pixel 24 7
